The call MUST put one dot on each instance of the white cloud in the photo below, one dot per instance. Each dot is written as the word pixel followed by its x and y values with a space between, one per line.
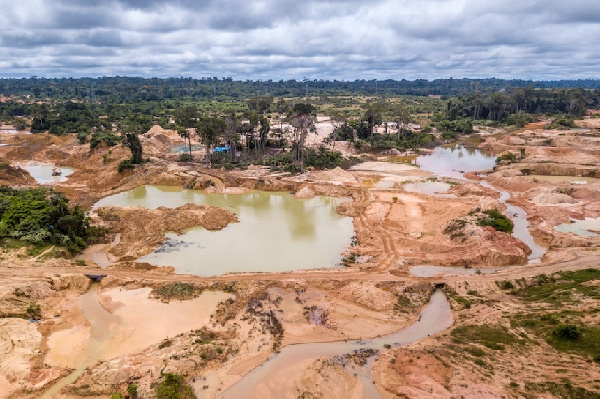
pixel 273 39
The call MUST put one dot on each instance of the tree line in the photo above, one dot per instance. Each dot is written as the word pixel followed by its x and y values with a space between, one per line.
pixel 137 89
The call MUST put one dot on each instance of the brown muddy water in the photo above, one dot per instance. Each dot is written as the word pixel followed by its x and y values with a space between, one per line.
pixel 276 232
pixel 42 172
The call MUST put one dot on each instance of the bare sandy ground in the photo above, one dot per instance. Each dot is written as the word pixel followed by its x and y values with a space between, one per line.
pixel 142 322
pixel 393 226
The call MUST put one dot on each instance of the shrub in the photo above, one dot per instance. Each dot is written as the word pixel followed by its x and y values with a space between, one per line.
pixel 110 139
pixel 165 344
pixel 563 122
pixel 496 220
pixel 475 351
pixel 125 164
pixel 82 137
pixel 567 332
pixel 509 158
pixel 132 389
pixel 173 386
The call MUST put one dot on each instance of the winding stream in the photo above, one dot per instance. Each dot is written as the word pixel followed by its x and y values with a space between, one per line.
pixel 435 318
pixel 103 327
pixel 454 161
pixel 521 225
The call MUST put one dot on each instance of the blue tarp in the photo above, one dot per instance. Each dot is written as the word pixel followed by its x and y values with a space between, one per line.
pixel 221 149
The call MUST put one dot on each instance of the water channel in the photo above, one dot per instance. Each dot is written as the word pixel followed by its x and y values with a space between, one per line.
pixel 435 318
pixel 454 161
pixel 103 327
pixel 436 271
pixel 521 225
pixel 276 232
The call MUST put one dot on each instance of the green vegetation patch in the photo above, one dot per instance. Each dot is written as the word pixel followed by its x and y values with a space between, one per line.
pixel 564 330
pixel 40 216
pixel 560 288
pixel 493 337
pixel 205 336
pixel 173 386
pixel 563 390
pixel 509 158
pixel 176 290
pixel 493 217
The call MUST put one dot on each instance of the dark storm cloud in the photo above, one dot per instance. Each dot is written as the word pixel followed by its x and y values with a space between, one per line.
pixel 268 39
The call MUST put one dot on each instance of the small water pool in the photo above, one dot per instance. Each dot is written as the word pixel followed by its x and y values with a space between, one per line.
pixel 586 227
pixel 434 188
pixel 182 149
pixel 276 232
pixel 454 161
pixel 42 173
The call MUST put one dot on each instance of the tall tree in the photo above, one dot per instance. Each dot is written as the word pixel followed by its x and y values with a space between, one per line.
pixel 337 120
pixel 302 122
pixel 265 127
pixel 133 142
pixel 231 127
pixel 210 128
pixel 187 119
pixel 373 115
pixel 401 116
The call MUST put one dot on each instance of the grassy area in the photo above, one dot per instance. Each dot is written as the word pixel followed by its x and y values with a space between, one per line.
pixel 564 329
pixel 560 390
pixel 562 287
pixel 493 337
pixel 176 290
pixel 173 386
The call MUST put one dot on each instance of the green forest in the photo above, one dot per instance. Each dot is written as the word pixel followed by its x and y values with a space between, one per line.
pixel 240 117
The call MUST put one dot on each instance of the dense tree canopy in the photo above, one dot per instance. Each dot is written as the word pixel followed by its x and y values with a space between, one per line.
pixel 40 215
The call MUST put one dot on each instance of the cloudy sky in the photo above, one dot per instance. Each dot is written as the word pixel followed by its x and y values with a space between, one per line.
pixel 291 39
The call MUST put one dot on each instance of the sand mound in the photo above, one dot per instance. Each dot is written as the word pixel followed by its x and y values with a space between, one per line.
pixel 507 173
pixel 337 175
pixel 552 198
pixel 305 193
pixel 512 140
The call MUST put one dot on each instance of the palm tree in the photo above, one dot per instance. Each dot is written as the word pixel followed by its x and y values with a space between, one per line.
pixel 186 118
